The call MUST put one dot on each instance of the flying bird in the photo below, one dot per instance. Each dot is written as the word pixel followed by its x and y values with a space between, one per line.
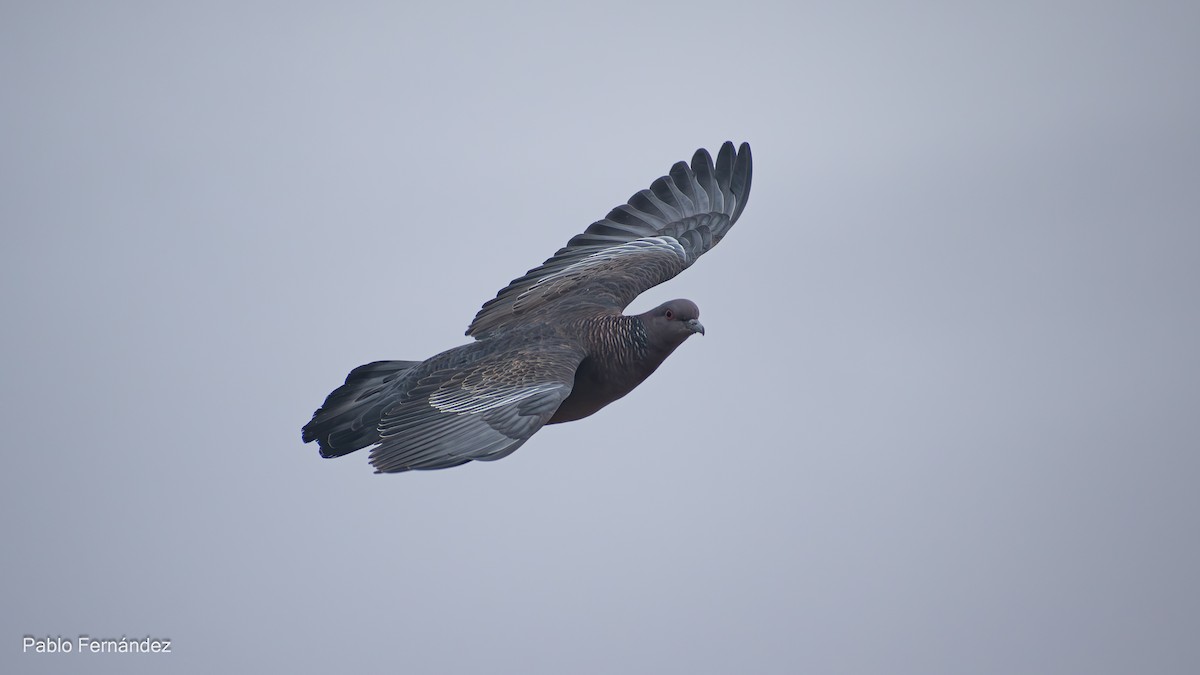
pixel 552 346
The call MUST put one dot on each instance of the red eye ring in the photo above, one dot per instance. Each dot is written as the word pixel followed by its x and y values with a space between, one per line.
pixel 669 314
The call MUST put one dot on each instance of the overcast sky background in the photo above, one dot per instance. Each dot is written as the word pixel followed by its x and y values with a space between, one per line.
pixel 945 418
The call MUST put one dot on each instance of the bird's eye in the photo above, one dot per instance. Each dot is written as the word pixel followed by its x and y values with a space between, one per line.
pixel 669 314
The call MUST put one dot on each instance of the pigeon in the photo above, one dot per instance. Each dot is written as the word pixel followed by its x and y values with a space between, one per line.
pixel 553 345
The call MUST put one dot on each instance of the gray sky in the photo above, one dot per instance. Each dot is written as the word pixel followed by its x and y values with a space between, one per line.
pixel 945 418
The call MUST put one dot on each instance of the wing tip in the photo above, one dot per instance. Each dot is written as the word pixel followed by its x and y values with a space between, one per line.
pixel 743 172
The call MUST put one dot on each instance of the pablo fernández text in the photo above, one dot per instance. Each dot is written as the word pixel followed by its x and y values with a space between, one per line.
pixel 85 644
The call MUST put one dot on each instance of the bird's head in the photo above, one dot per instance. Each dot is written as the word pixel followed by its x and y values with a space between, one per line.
pixel 673 322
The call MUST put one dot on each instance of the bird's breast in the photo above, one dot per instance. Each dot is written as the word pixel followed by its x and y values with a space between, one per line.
pixel 600 380
pixel 596 385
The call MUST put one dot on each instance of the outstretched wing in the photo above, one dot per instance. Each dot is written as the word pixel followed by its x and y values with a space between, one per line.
pixel 483 410
pixel 658 234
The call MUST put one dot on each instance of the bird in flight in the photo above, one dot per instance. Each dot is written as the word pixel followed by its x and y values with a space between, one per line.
pixel 552 346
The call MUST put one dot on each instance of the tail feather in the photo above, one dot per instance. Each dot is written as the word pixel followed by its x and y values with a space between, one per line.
pixel 349 418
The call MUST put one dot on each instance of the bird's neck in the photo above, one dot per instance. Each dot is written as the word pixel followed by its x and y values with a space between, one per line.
pixel 625 347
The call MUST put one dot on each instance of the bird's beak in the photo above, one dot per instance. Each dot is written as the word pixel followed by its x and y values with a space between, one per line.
pixel 695 326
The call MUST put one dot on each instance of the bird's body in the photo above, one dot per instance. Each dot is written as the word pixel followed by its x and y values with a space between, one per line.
pixel 553 346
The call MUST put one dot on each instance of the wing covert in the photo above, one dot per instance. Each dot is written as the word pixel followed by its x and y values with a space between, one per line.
pixel 480 411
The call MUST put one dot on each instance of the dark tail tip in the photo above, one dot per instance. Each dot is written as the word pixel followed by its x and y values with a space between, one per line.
pixel 349 418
